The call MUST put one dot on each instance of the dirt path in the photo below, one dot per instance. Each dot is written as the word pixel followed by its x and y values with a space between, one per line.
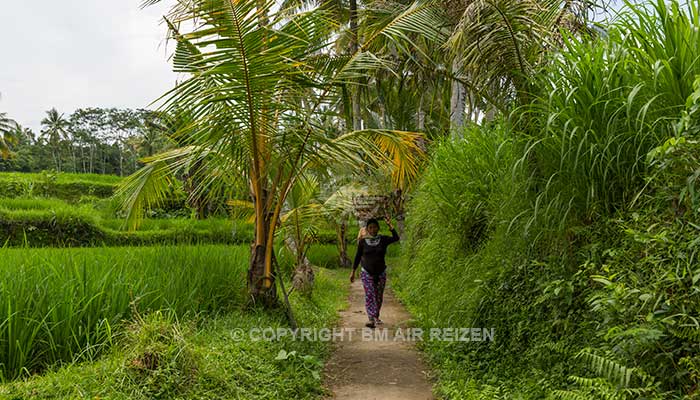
pixel 366 366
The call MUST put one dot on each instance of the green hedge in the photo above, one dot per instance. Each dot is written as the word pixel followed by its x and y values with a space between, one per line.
pixel 77 227
pixel 70 187
pixel 38 228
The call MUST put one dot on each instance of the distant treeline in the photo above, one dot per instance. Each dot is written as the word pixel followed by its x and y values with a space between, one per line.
pixel 90 140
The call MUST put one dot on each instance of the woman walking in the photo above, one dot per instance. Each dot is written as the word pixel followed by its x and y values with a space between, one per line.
pixel 371 251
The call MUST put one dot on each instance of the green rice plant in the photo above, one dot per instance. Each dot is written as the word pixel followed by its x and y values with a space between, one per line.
pixel 62 304
pixel 30 203
pixel 62 177
pixel 160 355
pixel 320 255
pixel 175 223
pixel 65 186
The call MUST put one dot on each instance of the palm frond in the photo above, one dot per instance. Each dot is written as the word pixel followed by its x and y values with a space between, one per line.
pixel 396 151
pixel 147 188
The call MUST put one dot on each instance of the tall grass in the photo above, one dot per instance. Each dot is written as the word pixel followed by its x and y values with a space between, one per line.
pixel 35 203
pixel 604 104
pixel 161 356
pixel 508 226
pixel 59 304
pixel 467 197
pixel 62 177
pixel 38 222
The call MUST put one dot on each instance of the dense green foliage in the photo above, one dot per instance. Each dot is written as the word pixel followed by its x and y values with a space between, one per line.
pixel 90 140
pixel 70 187
pixel 67 304
pixel 160 356
pixel 75 210
pixel 59 303
pixel 571 228
pixel 63 225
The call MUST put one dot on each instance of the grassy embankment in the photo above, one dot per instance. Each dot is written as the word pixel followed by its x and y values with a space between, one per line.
pixel 151 323
pixel 572 228
pixel 76 210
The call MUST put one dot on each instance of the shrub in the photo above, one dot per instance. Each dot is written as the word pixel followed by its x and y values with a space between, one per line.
pixel 68 187
pixel 584 261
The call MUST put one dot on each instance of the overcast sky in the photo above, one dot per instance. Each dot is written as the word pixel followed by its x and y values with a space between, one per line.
pixel 71 54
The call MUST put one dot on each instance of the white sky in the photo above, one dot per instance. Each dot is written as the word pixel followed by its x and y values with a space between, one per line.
pixel 72 54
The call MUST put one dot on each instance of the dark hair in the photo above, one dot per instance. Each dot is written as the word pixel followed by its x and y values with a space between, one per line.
pixel 372 221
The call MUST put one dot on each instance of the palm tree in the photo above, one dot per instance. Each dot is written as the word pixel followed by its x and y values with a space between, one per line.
pixel 338 209
pixel 496 45
pixel 24 136
pixel 153 136
pixel 7 136
pixel 298 227
pixel 256 79
pixel 55 131
pixel 487 53
pixel 347 14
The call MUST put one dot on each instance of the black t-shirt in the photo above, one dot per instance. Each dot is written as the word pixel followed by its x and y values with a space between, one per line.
pixel 371 252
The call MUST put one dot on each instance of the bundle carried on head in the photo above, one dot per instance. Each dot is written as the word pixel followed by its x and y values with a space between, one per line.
pixel 371 206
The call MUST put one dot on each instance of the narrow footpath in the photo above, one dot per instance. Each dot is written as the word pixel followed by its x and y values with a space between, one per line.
pixel 373 367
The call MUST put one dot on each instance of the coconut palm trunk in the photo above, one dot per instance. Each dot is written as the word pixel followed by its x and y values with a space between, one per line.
pixel 341 234
pixel 261 283
pixel 354 46
pixel 458 101
pixel 261 280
